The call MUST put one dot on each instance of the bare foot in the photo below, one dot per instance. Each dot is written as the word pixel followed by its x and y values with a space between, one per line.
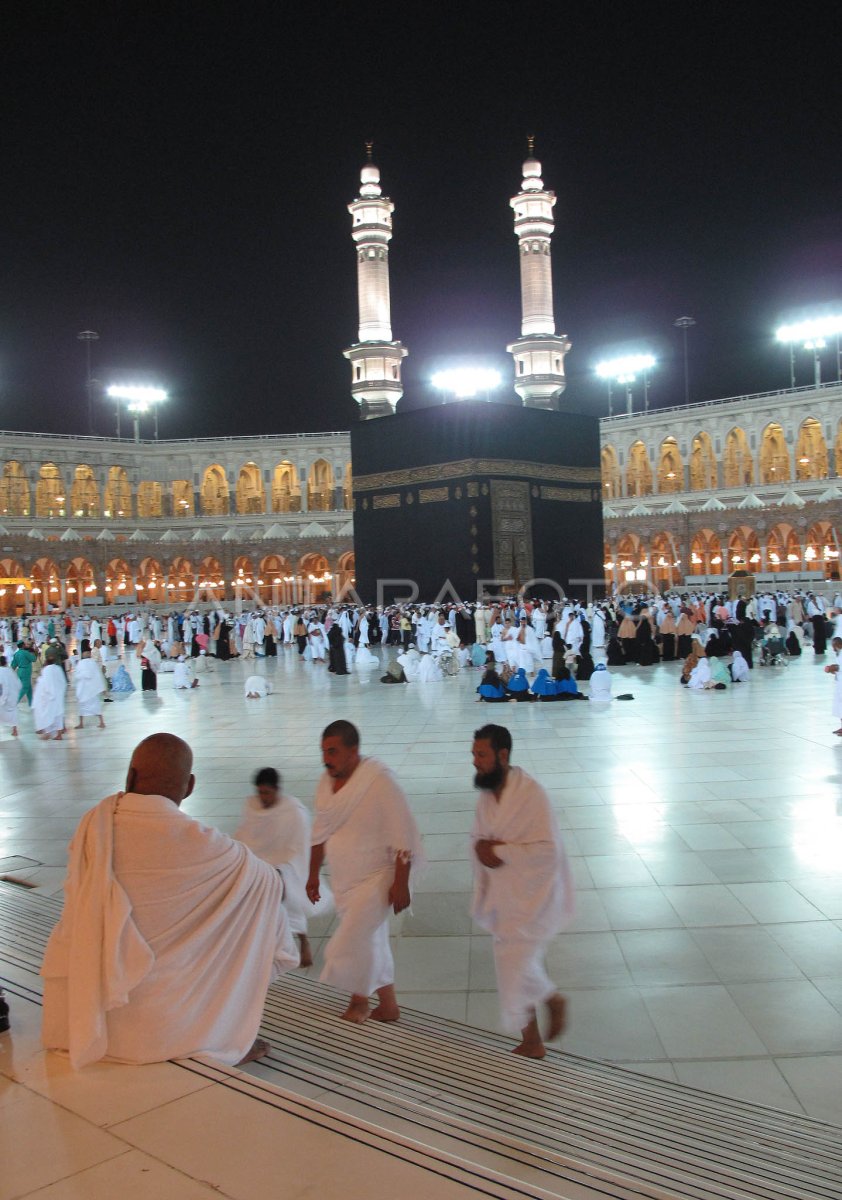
pixel 357 1010
pixel 101 723
pixel 14 731
pixel 306 954
pixel 531 1049
pixel 557 1008
pixel 386 1012
pixel 80 726
pixel 258 1049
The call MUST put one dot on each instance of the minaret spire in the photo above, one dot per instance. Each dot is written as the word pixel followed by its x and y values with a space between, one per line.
pixel 539 352
pixel 375 358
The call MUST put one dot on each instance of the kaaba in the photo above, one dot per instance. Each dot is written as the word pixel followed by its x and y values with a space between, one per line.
pixel 475 498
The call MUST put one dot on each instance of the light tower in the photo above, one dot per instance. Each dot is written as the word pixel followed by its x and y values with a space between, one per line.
pixel 539 351
pixel 375 358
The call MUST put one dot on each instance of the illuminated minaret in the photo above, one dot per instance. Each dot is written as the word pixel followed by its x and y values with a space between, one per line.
pixel 539 351
pixel 375 359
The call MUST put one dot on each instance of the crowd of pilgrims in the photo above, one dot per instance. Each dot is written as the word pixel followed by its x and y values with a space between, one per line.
pixel 560 643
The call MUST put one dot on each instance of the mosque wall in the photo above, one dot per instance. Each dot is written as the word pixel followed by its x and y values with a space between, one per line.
pixel 104 521
pixel 751 482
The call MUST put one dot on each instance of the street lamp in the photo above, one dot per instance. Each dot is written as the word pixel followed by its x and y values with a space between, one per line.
pixel 811 335
pixel 139 400
pixel 625 370
pixel 87 336
pixel 685 323
pixel 464 383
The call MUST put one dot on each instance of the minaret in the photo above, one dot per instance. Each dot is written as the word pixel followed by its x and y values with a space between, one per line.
pixel 375 358
pixel 539 351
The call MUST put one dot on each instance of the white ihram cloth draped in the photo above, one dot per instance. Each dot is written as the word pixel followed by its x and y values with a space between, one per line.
pixel 89 683
pixel 527 900
pixel 364 827
pixel 170 936
pixel 837 688
pixel 48 699
pixel 9 691
pixel 280 835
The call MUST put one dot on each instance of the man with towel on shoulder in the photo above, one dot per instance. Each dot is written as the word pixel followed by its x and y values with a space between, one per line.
pixel 171 931
pixel 364 825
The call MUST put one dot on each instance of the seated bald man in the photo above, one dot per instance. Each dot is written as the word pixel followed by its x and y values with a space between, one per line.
pixel 171 931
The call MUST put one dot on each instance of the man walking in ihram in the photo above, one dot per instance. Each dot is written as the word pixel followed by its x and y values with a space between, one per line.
pixel 523 890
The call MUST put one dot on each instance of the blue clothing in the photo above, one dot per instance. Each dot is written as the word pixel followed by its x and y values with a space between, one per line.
pixel 121 681
pixel 543 685
pixel 519 682
pixel 488 692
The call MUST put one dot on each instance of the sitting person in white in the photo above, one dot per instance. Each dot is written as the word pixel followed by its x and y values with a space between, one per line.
pixel 171 931
pixel 600 684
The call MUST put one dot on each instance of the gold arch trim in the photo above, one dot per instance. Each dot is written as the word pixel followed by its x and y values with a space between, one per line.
pixel 438 472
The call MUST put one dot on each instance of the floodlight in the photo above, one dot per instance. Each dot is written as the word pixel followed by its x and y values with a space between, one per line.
pixel 139 400
pixel 811 335
pixel 465 382
pixel 625 370
pixel 630 365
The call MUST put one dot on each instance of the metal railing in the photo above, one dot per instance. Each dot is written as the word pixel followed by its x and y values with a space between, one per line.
pixel 705 404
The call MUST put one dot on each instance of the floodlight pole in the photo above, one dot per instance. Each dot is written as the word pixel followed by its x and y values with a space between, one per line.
pixel 610 398
pixel 685 323
pixel 792 366
pixel 87 336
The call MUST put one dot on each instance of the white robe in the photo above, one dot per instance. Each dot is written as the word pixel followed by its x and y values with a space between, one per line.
pixel 527 900
pixel 837 689
pixel 48 699
pixel 740 672
pixel 599 686
pixel 89 684
pixel 9 692
pixel 170 935
pixel 364 827
pixel 429 670
pixel 256 685
pixel 699 676
pixel 280 835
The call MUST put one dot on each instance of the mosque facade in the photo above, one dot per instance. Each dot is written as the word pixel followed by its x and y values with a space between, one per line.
pixel 751 483
pixel 688 494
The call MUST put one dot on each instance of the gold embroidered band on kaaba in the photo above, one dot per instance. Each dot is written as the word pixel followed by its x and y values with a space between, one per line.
pixel 438 472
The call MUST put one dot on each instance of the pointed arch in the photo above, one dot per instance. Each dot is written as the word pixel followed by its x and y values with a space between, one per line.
pixel 743 550
pixel 14 490
pixel 612 485
pixel 119 580
pixel 810 451
pixel 150 499
pixel 821 549
pixel 638 471
pixel 181 581
pixel 183 502
pixel 703 474
pixel 320 486
pixel 286 488
pixel 316 576
pixel 348 490
pixel 251 495
pixel 151 582
pixel 11 600
pixel 50 496
pixel 214 492
pixel 774 456
pixel 783 549
pixel 706 554
pixel 46 578
pixel 117 497
pixel 80 581
pixel 670 467
pixel 665 564
pixel 738 466
pixel 84 493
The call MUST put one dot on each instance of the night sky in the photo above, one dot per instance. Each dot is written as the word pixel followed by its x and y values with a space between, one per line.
pixel 175 177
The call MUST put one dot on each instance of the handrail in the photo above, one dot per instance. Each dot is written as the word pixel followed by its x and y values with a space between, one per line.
pixel 676 408
pixel 164 442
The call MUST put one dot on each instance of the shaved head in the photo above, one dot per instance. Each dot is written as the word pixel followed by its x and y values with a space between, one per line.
pixel 161 766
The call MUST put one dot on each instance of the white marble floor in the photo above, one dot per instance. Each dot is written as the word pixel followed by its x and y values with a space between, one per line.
pixel 705 832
